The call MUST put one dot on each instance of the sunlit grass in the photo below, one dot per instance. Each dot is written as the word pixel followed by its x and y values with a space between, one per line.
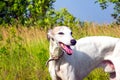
pixel 23 54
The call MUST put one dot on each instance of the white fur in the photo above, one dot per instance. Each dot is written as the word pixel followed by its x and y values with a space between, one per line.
pixel 88 54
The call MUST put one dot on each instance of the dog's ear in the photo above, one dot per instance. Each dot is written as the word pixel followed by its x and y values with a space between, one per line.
pixel 49 34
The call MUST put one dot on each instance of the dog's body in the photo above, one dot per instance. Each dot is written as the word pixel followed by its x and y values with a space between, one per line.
pixel 88 54
pixel 98 51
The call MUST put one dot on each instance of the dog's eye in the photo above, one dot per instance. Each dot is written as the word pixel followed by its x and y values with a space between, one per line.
pixel 61 33
pixel 71 33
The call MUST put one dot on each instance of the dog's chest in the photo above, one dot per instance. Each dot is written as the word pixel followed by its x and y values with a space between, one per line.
pixel 64 70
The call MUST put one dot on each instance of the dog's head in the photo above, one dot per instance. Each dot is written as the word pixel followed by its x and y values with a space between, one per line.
pixel 61 37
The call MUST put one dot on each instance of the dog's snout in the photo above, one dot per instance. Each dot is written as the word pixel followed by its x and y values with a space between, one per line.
pixel 73 42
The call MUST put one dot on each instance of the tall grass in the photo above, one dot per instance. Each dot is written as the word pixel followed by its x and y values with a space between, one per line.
pixel 24 51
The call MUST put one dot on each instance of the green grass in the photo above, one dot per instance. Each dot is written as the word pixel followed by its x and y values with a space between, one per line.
pixel 23 58
pixel 24 51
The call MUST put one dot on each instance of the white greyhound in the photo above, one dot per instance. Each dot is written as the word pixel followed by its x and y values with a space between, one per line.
pixel 74 61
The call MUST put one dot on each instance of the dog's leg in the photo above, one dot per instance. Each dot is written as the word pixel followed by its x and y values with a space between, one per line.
pixel 113 76
pixel 116 63
pixel 116 60
pixel 52 70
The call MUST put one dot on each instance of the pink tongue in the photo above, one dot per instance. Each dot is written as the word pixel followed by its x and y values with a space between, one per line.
pixel 68 50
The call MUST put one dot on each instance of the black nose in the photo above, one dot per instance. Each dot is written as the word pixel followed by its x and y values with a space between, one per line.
pixel 73 42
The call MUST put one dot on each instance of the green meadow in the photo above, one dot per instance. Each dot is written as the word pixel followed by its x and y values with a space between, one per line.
pixel 24 51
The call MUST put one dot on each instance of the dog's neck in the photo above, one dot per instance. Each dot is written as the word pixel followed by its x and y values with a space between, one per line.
pixel 55 53
pixel 55 50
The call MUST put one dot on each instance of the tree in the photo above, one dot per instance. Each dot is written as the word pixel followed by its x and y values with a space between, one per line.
pixel 105 3
pixel 61 17
pixel 24 11
pixel 38 10
pixel 34 12
pixel 12 9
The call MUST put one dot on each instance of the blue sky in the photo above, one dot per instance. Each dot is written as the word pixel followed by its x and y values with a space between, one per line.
pixel 86 10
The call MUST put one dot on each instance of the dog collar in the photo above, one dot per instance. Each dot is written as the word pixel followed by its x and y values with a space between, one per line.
pixel 54 58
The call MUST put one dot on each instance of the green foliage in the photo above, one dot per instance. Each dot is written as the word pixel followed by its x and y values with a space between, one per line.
pixel 22 61
pixel 41 12
pixel 12 10
pixel 35 12
pixel 105 3
pixel 97 74
pixel 23 12
pixel 62 17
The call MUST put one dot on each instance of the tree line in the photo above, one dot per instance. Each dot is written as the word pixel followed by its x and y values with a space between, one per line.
pixel 42 12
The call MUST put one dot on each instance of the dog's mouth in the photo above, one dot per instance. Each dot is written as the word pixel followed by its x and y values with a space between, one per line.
pixel 66 48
